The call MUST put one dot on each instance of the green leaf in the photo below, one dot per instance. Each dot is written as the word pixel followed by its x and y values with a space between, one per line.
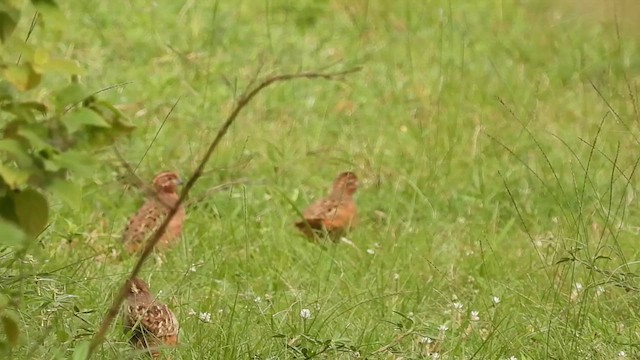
pixel 81 351
pixel 11 234
pixel 50 13
pixel 68 192
pixel 12 176
pixel 119 122
pixel 23 76
pixel 75 120
pixel 62 336
pixel 68 67
pixel 40 57
pixel 44 4
pixel 9 17
pixel 25 110
pixel 37 143
pixel 32 211
pixel 6 92
pixel 69 95
pixel 77 162
pixel 16 150
pixel 49 165
pixel 38 106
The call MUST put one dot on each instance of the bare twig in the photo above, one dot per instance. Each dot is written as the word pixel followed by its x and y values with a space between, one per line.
pixel 113 310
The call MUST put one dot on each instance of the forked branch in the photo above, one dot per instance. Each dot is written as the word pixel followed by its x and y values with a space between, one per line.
pixel 243 101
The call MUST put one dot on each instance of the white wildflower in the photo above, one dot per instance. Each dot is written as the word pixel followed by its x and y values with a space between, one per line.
pixel 512 358
pixel 599 290
pixel 425 340
pixel 205 317
pixel 305 314
pixel 193 268
pixel 370 251
pixel 622 354
pixel 575 292
pixel 442 328
pixel 474 316
pixel 495 300
pixel 435 356
pixel 578 286
pixel 396 277
pixel 457 305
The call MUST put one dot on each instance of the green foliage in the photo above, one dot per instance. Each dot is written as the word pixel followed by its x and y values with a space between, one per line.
pixel 43 140
pixel 48 135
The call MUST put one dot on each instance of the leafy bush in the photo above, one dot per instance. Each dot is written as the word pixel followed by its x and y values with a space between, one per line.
pixel 47 135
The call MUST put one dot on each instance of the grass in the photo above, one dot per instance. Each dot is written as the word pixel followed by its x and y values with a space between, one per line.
pixel 497 145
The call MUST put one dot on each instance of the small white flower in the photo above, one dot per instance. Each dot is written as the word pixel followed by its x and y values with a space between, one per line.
pixel 370 251
pixel 513 358
pixel 425 340
pixel 396 277
pixel 442 328
pixel 435 356
pixel 457 305
pixel 205 316
pixel 495 300
pixel 193 268
pixel 29 259
pixel 257 299
pixel 474 316
pixel 622 354
pixel 305 314
pixel 599 290
pixel 578 286
pixel 575 292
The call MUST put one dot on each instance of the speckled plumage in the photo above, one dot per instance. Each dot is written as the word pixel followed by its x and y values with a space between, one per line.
pixel 152 214
pixel 150 323
pixel 334 214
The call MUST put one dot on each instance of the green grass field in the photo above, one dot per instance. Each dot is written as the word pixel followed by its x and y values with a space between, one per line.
pixel 497 145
